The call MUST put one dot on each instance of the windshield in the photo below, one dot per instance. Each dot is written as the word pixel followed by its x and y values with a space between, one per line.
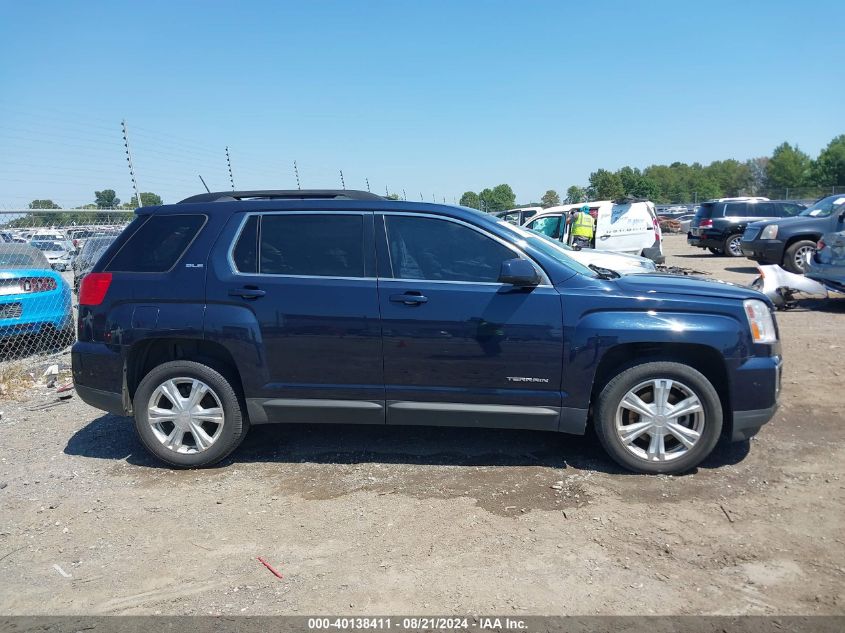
pixel 824 207
pixel 548 246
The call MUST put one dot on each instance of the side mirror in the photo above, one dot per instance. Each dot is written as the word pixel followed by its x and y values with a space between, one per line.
pixel 519 272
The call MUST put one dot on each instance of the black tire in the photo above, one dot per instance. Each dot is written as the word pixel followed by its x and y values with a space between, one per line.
pixel 235 426
pixel 611 396
pixel 732 245
pixel 792 253
pixel 714 251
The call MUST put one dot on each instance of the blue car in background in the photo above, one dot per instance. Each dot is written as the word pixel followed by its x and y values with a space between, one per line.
pixel 34 299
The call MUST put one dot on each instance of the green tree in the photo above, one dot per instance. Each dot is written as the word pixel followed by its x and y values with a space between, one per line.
pixel 829 168
pixel 734 178
pixel 757 173
pixel 499 198
pixel 470 199
pixel 575 194
pixel 550 199
pixel 393 196
pixel 148 198
pixel 788 167
pixel 605 185
pixel 43 204
pixel 106 199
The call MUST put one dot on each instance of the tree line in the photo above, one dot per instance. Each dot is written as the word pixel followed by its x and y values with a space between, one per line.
pixel 787 168
pixel 105 209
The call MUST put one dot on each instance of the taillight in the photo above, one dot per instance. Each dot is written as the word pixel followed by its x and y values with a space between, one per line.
pixel 705 224
pixel 37 284
pixel 657 231
pixel 94 288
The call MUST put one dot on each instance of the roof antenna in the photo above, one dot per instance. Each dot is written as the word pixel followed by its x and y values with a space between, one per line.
pixel 229 163
pixel 207 190
pixel 342 182
pixel 404 196
pixel 296 173
pixel 367 180
pixel 131 167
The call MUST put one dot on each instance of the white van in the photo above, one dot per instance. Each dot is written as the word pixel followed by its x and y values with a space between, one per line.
pixel 623 227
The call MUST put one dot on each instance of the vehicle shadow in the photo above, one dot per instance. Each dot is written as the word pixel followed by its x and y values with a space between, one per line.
pixel 833 305
pixel 113 437
pixel 751 270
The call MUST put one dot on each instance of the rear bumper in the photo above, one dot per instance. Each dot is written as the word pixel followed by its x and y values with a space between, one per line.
pixel 99 399
pixel 98 376
pixel 653 253
pixel 763 251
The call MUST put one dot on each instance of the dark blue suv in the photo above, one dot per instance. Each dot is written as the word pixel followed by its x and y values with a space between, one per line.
pixel 241 308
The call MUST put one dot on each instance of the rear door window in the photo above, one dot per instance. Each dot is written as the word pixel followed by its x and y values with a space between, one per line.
pixel 736 209
pixel 318 245
pixel 157 244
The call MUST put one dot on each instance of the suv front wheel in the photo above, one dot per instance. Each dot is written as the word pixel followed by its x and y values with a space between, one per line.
pixel 658 417
pixel 188 415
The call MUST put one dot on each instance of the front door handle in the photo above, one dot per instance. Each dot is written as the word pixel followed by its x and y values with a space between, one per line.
pixel 409 298
pixel 246 293
pixel 604 237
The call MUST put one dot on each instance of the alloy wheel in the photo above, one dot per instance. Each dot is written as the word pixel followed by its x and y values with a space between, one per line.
pixel 185 415
pixel 660 420
pixel 735 246
pixel 801 257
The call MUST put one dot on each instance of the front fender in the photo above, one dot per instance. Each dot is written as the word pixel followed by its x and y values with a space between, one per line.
pixel 595 334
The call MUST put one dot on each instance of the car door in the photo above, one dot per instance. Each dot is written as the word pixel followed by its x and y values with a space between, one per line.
pixel 460 348
pixel 307 279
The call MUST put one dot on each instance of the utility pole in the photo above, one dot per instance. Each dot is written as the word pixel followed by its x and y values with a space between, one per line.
pixel 296 173
pixel 229 164
pixel 342 182
pixel 129 160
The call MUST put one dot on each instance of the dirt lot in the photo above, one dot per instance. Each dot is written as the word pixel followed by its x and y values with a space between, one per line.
pixel 386 520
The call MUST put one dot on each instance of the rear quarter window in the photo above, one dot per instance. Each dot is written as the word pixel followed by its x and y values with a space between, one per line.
pixel 157 244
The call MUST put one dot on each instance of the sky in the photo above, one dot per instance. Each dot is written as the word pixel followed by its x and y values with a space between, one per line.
pixel 429 98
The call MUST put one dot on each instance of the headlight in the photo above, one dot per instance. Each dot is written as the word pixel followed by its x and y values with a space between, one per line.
pixel 770 232
pixel 760 321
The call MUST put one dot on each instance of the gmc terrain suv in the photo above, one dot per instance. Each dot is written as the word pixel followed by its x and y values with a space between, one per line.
pixel 718 225
pixel 239 308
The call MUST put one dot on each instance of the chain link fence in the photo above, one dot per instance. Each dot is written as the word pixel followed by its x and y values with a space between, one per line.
pixel 43 256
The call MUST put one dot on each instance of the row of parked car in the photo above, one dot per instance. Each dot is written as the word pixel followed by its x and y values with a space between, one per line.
pixel 781 232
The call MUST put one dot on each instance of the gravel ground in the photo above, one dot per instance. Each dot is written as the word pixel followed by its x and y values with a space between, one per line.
pixel 412 520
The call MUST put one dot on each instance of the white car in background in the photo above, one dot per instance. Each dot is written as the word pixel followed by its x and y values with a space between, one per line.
pixel 629 227
pixel 621 263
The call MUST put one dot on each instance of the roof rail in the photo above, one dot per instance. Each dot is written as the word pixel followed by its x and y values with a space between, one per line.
pixel 284 194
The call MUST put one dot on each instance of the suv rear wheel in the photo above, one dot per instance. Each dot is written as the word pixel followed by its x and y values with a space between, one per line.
pixel 733 245
pixel 188 415
pixel 658 417
pixel 795 257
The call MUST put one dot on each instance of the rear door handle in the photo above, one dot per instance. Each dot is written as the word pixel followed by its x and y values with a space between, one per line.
pixel 409 298
pixel 247 293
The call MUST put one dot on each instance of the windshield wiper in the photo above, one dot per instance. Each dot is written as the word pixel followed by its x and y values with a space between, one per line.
pixel 604 273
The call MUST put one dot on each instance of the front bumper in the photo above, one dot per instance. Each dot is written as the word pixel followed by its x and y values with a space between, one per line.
pixel 755 392
pixel 746 424
pixel 763 251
